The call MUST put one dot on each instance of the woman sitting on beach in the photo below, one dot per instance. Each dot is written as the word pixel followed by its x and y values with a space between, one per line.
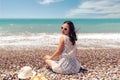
pixel 68 63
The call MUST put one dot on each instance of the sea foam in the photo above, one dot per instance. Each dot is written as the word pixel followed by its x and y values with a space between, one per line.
pixel 44 40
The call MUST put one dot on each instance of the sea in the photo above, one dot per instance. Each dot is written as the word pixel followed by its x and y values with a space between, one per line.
pixel 45 33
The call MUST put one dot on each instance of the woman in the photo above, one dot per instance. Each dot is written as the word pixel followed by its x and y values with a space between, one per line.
pixel 68 63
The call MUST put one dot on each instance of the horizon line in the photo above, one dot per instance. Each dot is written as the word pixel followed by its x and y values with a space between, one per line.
pixel 59 18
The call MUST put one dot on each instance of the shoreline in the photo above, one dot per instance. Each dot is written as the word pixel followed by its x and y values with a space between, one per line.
pixel 100 63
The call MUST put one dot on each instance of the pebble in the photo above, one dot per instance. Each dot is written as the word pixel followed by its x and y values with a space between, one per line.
pixel 100 67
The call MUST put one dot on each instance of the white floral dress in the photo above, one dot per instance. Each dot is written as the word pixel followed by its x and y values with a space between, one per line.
pixel 68 61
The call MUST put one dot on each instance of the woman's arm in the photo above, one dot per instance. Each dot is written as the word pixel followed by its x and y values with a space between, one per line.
pixel 57 53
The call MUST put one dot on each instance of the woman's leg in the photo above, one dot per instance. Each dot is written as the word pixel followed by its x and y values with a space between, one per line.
pixel 54 65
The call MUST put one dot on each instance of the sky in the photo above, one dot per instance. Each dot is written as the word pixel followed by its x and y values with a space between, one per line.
pixel 59 8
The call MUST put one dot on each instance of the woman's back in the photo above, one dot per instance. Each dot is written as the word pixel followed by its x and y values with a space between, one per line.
pixel 68 61
pixel 69 48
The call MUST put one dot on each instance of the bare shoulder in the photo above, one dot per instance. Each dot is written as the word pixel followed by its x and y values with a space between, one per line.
pixel 62 37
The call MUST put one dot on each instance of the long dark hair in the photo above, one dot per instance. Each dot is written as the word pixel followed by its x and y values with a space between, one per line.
pixel 72 33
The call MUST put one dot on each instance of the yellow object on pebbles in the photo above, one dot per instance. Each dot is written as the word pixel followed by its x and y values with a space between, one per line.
pixel 39 77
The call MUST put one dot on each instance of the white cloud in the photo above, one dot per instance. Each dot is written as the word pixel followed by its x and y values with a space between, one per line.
pixel 97 8
pixel 43 2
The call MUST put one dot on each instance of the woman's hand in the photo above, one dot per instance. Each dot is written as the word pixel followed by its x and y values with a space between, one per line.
pixel 46 57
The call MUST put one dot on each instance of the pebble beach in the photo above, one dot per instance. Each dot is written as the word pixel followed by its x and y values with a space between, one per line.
pixel 99 64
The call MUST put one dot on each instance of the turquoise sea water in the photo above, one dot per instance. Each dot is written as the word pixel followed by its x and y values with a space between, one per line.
pixel 53 25
pixel 36 33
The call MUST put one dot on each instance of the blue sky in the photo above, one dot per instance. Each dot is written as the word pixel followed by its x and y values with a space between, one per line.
pixel 59 8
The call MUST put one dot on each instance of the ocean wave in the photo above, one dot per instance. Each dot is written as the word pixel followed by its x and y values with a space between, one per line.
pixel 37 40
